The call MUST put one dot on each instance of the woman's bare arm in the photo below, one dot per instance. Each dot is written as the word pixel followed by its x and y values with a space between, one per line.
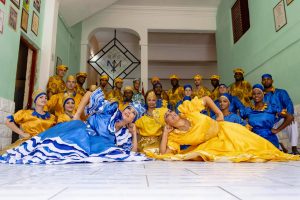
pixel 16 129
pixel 84 101
pixel 210 104
pixel 163 148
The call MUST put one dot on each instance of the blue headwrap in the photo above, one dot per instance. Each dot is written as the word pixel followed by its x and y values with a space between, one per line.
pixel 139 108
pixel 187 86
pixel 222 84
pixel 258 86
pixel 37 96
pixel 266 76
pixel 228 96
pixel 67 99
pixel 156 84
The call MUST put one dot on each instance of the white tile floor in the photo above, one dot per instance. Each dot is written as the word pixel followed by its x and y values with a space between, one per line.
pixel 152 180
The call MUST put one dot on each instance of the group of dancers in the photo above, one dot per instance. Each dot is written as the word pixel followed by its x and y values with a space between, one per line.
pixel 229 124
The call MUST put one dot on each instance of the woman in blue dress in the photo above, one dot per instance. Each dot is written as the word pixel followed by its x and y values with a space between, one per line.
pixel 188 91
pixel 108 135
pixel 224 105
pixel 262 116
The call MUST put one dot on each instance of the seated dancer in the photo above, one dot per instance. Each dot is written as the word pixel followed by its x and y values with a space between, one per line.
pixel 224 104
pixel 262 116
pixel 149 129
pixel 235 104
pixel 32 122
pixel 69 108
pixel 108 135
pixel 211 140
pixel 188 91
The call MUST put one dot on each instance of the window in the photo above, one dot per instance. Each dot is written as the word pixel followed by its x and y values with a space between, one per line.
pixel 240 19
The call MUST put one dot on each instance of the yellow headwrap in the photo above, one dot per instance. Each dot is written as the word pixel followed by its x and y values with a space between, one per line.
pixel 104 77
pixel 71 78
pixel 83 74
pixel 215 77
pixel 151 95
pixel 128 88
pixel 37 93
pixel 62 67
pixel 118 80
pixel 174 77
pixel 197 77
pixel 238 70
pixel 155 78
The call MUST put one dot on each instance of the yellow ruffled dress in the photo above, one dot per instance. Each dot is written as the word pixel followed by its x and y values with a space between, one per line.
pixel 217 141
pixel 150 131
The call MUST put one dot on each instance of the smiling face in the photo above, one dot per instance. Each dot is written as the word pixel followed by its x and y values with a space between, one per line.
pixel 41 100
pixel 224 103
pixel 171 118
pixel 257 95
pixel 151 101
pixel 69 105
pixel 128 114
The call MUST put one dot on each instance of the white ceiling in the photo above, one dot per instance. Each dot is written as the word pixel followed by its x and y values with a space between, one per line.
pixel 74 11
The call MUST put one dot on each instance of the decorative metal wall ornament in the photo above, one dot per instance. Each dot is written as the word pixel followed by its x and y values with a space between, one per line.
pixel 115 60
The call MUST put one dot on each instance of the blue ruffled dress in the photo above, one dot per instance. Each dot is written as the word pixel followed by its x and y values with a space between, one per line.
pixel 79 142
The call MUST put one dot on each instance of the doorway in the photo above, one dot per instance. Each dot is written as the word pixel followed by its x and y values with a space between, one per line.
pixel 25 77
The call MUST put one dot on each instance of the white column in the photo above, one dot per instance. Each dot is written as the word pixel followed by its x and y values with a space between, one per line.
pixel 84 57
pixel 144 60
pixel 48 45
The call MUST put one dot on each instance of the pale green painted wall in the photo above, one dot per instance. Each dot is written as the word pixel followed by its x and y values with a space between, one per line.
pixel 68 45
pixel 9 46
pixel 261 49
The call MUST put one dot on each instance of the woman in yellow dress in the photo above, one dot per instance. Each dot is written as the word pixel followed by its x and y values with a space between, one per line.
pixel 212 140
pixel 69 108
pixel 149 128
pixel 31 122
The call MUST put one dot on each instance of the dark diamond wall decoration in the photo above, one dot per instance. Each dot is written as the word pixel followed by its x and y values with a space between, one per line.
pixel 115 60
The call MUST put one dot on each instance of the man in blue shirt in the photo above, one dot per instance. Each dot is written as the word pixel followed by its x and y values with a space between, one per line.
pixel 281 98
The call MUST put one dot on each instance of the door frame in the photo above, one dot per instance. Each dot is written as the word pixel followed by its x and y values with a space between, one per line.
pixel 32 71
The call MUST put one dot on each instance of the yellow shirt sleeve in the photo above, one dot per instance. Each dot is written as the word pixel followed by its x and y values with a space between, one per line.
pixel 20 116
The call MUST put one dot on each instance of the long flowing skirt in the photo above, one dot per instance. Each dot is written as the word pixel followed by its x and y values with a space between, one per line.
pixel 68 142
pixel 233 143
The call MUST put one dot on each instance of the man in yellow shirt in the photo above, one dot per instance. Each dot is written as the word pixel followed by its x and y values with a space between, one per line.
pixel 55 103
pixel 199 91
pixel 176 93
pixel 56 83
pixel 241 88
pixel 81 77
pixel 215 82
pixel 103 84
pixel 127 98
pixel 116 93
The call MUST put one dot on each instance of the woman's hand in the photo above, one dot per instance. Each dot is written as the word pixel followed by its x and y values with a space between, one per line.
pixel 132 129
pixel 168 129
pixel 220 117
pixel 275 131
pixel 25 135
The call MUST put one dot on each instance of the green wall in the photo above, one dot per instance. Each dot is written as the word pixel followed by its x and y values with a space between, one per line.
pixel 68 45
pixel 9 45
pixel 261 49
